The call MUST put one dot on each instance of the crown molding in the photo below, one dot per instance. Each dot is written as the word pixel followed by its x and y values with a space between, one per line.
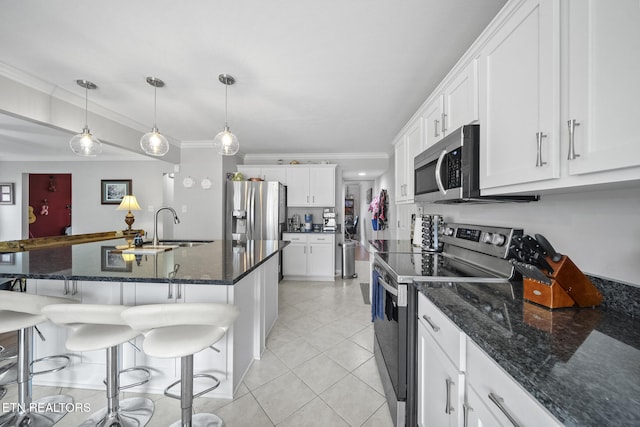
pixel 318 156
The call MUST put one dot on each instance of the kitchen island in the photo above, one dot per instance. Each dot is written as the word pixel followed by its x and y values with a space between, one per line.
pixel 240 273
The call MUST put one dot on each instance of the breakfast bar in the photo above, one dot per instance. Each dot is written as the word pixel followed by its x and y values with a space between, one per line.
pixel 241 273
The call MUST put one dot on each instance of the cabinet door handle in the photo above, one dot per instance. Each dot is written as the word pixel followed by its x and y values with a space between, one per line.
pixel 66 287
pixel 444 122
pixel 499 402
pixel 170 293
pixel 74 287
pixel 427 319
pixel 313 199
pixel 539 136
pixel 448 408
pixel 435 128
pixel 465 414
pixel 310 249
pixel 572 146
pixel 307 199
pixel 179 290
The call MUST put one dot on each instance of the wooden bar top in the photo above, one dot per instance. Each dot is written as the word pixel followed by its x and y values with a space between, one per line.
pixel 55 241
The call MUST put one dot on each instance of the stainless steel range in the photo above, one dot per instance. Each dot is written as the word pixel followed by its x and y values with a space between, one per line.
pixel 470 253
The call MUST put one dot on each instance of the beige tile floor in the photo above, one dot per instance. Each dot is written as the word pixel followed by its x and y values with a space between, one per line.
pixel 318 368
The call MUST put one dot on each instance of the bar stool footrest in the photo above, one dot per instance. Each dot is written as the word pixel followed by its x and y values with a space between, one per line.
pixel 48 371
pixel 177 396
pixel 132 412
pixel 133 369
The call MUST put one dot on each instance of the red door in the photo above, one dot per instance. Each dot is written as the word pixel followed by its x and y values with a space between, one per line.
pixel 49 204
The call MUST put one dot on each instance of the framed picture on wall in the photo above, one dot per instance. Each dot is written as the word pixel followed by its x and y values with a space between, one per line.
pixel 6 193
pixel 369 195
pixel 112 191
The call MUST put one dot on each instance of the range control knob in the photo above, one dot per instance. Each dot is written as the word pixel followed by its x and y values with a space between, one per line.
pixel 487 238
pixel 498 239
pixel 447 231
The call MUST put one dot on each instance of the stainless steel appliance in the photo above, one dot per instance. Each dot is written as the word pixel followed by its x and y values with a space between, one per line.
pixel 449 171
pixel 255 210
pixel 329 219
pixel 470 254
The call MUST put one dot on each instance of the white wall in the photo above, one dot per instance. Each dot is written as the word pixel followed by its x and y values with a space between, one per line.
pixel 599 230
pixel 89 215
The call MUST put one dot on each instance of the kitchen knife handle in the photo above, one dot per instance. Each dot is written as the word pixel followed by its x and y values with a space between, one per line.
pixel 498 401
pixel 539 136
pixel 572 146
pixel 548 248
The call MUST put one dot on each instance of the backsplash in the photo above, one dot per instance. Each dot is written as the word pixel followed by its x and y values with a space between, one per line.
pixel 620 297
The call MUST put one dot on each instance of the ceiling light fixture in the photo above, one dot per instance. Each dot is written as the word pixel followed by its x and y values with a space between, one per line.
pixel 85 144
pixel 154 143
pixel 225 142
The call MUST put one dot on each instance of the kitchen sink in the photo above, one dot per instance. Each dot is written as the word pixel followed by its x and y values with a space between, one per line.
pixel 149 249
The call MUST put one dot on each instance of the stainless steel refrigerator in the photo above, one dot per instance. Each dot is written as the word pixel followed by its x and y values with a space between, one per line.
pixel 255 210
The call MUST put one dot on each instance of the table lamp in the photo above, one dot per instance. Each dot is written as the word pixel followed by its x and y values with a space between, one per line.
pixel 129 203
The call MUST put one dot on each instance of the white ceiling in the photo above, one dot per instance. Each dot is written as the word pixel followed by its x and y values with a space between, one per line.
pixel 333 76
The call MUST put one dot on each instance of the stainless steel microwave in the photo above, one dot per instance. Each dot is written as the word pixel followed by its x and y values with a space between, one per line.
pixel 449 171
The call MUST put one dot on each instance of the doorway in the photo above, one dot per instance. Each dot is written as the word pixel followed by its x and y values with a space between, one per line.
pixel 49 204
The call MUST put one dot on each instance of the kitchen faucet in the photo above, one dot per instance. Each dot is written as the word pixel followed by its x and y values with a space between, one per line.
pixel 176 220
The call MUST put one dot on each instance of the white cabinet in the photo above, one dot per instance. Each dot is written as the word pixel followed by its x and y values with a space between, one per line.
pixel 267 173
pixel 460 96
pixel 309 256
pixel 441 362
pixel 432 116
pixel 494 398
pixel 519 78
pixel 603 87
pixel 406 148
pixel 311 186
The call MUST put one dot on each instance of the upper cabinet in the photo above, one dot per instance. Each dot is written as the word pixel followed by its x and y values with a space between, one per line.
pixel 311 185
pixel 603 86
pixel 551 121
pixel 406 148
pixel 519 75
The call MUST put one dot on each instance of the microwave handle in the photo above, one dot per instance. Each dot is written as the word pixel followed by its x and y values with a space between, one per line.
pixel 438 175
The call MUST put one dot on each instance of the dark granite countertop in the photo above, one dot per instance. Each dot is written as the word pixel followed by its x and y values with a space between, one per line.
pixel 582 364
pixel 222 262
pixel 311 232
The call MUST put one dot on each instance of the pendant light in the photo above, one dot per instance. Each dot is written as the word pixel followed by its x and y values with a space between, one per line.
pixel 85 144
pixel 225 142
pixel 154 143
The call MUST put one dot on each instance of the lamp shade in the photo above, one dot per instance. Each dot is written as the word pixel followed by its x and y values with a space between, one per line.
pixel 85 144
pixel 129 203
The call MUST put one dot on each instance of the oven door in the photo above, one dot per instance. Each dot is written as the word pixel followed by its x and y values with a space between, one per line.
pixel 391 345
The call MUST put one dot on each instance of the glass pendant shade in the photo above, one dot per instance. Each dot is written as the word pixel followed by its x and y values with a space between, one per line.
pixel 85 144
pixel 226 143
pixel 154 143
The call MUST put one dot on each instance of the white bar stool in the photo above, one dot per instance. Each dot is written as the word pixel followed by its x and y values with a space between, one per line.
pixel 98 327
pixel 22 312
pixel 181 330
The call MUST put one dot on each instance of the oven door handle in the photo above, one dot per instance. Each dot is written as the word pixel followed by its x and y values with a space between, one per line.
pixel 438 174
pixel 388 287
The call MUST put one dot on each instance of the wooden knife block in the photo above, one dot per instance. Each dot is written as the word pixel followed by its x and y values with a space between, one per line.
pixel 569 287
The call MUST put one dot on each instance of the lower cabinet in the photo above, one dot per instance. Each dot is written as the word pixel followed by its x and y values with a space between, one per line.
pixel 441 380
pixel 459 385
pixel 309 256
pixel 440 384
pixel 494 398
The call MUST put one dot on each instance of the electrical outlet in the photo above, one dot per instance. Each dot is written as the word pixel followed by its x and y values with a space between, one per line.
pixel 184 208
pixel 150 208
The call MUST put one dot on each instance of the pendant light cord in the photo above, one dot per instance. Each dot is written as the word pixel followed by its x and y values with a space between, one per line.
pixel 86 106
pixel 155 106
pixel 226 121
